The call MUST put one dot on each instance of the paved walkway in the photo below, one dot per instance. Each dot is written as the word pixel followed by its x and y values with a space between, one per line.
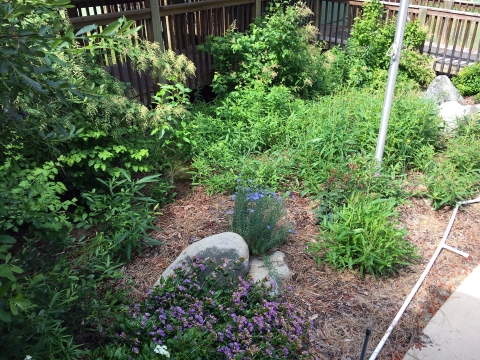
pixel 454 331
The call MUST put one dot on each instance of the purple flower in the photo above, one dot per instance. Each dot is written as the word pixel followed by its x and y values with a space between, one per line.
pixel 377 174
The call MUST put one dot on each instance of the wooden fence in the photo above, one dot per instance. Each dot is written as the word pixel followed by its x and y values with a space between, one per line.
pixel 182 25
pixel 453 35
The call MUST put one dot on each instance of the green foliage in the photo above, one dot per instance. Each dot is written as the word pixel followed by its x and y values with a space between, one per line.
pixel 122 212
pixel 61 297
pixel 65 122
pixel 31 198
pixel 256 218
pixel 365 55
pixel 364 235
pixel 467 80
pixel 453 174
pixel 279 142
pixel 276 50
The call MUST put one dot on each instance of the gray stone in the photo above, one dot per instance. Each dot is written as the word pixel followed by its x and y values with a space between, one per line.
pixel 280 271
pixel 451 112
pixel 226 245
pixel 442 90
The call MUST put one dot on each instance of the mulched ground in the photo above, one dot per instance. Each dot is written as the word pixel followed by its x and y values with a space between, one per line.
pixel 340 304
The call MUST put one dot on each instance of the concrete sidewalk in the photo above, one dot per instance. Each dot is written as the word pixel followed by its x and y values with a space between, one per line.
pixel 454 331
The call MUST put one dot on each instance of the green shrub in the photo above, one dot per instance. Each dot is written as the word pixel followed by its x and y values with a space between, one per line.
pixel 122 212
pixel 60 300
pixel 31 198
pixel 276 50
pixel 467 80
pixel 365 235
pixel 256 218
pixel 365 53
pixel 278 141
pixel 453 173
pixel 193 316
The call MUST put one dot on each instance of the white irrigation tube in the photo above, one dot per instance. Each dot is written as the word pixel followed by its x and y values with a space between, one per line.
pixel 440 246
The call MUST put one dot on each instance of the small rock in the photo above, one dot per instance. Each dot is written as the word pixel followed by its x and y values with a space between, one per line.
pixel 259 271
pixel 226 245
pixel 442 90
pixel 452 111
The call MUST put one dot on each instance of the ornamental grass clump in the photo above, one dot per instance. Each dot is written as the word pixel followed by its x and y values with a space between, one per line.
pixel 256 218
pixel 185 318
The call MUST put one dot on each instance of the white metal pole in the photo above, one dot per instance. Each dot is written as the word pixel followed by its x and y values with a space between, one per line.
pixel 394 53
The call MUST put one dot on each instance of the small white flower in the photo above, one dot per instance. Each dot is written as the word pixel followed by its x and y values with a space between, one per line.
pixel 28 357
pixel 162 350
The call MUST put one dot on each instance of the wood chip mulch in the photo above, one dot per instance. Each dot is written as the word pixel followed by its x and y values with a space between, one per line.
pixel 341 305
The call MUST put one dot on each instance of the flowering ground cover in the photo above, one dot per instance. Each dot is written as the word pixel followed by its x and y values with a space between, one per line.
pixel 340 305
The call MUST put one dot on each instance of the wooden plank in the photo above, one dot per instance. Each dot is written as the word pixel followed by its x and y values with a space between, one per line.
pixel 456 33
pixel 446 37
pixel 156 22
pixel 201 5
pixel 105 19
pixel 465 37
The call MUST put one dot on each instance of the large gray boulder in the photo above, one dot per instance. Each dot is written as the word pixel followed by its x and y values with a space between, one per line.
pixel 226 245
pixel 442 90
pixel 451 112
pixel 279 269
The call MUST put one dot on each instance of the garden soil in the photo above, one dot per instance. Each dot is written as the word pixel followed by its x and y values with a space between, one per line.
pixel 341 305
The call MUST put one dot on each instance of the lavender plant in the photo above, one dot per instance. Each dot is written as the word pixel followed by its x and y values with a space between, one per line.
pixel 190 316
pixel 256 218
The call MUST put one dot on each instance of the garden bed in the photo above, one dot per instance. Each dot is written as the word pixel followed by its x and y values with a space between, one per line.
pixel 341 304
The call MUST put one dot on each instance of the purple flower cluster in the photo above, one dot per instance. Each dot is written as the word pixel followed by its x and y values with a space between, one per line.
pixel 237 320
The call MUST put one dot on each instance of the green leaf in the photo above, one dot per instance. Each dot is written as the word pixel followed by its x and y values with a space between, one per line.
pixel 33 83
pixel 5 316
pixel 86 29
pixel 110 29
pixel 5 239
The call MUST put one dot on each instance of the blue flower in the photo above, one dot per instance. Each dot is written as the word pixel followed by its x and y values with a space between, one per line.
pixel 268 226
pixel 249 180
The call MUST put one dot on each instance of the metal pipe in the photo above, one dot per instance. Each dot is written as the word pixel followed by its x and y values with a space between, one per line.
pixel 440 246
pixel 394 52
pixel 365 342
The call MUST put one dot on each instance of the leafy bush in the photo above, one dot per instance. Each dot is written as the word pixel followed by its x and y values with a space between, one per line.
pixel 123 213
pixel 364 235
pixel 365 53
pixel 467 80
pixel 453 174
pixel 192 317
pixel 278 141
pixel 276 50
pixel 62 300
pixel 256 218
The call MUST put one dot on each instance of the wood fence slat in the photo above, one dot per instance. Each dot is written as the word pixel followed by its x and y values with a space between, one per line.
pixel 446 36
pixel 456 32
pixel 465 37
pixel 181 25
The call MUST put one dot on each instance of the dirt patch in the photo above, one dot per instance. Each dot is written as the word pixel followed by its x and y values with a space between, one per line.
pixel 340 304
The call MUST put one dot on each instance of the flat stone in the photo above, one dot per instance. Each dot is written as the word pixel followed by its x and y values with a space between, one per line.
pixel 451 112
pixel 453 333
pixel 442 90
pixel 259 270
pixel 226 245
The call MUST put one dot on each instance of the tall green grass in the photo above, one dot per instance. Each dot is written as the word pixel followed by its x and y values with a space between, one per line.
pixel 279 141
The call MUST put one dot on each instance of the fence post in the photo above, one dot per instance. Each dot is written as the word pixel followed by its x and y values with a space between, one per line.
pixel 422 16
pixel 448 4
pixel 156 22
pixel 258 8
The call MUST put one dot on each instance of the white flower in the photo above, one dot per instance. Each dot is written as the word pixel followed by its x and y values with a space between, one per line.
pixel 28 357
pixel 162 350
